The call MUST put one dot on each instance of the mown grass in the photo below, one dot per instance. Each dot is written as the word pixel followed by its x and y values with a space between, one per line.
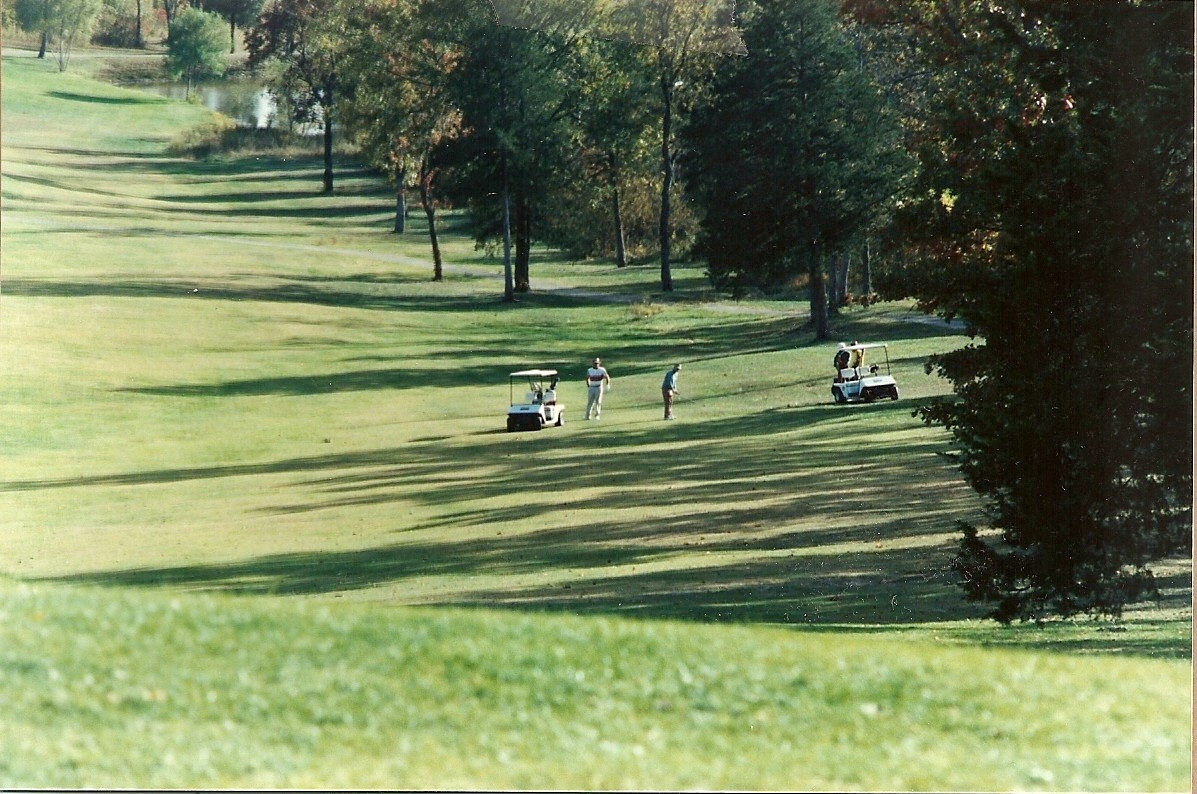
pixel 217 379
pixel 222 692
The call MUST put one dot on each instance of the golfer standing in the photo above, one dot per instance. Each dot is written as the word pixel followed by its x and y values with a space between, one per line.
pixel 669 389
pixel 597 381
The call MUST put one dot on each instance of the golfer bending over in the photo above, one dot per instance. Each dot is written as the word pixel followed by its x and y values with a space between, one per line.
pixel 669 389
pixel 597 381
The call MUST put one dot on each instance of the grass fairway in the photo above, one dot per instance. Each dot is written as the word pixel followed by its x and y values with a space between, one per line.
pixel 262 527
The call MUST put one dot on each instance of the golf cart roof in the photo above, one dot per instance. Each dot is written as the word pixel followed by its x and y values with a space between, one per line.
pixel 868 346
pixel 534 373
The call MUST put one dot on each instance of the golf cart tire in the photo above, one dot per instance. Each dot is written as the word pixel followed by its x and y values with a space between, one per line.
pixel 838 396
pixel 511 425
pixel 560 418
pixel 893 392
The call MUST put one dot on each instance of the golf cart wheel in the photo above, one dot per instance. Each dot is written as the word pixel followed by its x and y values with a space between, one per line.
pixel 839 397
pixel 560 418
pixel 893 392
pixel 512 426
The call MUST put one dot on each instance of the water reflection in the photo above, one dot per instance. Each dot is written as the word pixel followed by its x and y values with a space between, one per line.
pixel 247 104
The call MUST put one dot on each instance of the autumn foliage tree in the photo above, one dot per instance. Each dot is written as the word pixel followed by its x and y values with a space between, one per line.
pixel 305 39
pixel 398 112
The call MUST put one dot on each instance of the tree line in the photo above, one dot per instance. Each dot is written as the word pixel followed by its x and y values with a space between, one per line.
pixel 1024 167
pixel 119 23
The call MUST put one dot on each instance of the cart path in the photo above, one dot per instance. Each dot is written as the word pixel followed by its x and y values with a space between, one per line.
pixel 799 312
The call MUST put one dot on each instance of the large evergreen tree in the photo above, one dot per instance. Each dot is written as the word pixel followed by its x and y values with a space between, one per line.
pixel 517 92
pixel 1053 216
pixel 792 154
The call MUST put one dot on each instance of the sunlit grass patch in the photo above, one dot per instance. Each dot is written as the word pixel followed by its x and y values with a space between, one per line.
pixel 166 691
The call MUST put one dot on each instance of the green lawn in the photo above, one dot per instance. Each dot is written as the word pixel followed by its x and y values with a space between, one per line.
pixel 244 435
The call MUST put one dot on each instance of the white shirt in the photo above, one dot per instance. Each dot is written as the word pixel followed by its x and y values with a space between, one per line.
pixel 595 376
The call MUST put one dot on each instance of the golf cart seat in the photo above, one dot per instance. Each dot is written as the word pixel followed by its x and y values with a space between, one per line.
pixel 532 397
pixel 848 373
pixel 550 397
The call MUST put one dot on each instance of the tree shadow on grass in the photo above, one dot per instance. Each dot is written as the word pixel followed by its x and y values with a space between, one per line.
pixel 634 534
pixel 106 100
pixel 706 559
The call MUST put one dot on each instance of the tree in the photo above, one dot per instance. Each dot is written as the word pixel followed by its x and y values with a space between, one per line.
pixel 305 37
pixel 196 46
pixel 789 158
pixel 517 91
pixel 171 8
pixel 598 192
pixel 70 20
pixel 238 13
pixel 686 38
pixel 398 112
pixel 616 121
pixel 35 16
pixel 1052 214
pixel 59 21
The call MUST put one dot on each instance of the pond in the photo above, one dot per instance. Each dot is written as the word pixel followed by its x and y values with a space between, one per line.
pixel 248 104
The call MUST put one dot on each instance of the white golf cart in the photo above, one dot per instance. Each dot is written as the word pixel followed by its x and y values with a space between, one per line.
pixel 865 382
pixel 539 406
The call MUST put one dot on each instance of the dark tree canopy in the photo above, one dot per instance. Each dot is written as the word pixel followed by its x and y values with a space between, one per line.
pixel 793 154
pixel 1052 214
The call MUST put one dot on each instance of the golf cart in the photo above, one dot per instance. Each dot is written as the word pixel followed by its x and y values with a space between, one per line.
pixel 539 406
pixel 862 383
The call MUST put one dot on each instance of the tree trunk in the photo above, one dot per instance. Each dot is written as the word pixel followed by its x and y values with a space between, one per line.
pixel 326 109
pixel 818 300
pixel 400 202
pixel 666 175
pixel 866 273
pixel 621 254
pixel 232 37
pixel 508 282
pixel 523 241
pixel 426 177
pixel 833 285
pixel 842 279
pixel 137 34
pixel 41 48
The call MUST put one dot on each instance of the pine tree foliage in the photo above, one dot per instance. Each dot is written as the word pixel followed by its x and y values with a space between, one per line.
pixel 1052 214
pixel 794 153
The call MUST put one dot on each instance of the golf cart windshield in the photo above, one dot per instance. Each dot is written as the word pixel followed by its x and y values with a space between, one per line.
pixel 536 384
